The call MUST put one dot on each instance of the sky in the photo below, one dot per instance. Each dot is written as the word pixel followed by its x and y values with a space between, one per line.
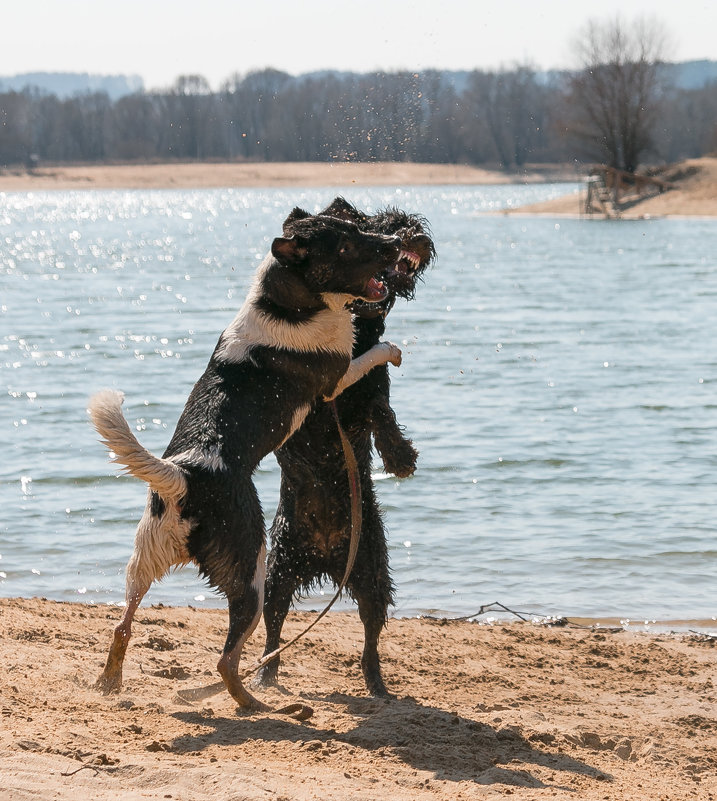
pixel 162 39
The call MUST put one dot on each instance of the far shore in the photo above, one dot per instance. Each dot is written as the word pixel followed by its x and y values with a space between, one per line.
pixel 692 184
pixel 692 192
pixel 197 175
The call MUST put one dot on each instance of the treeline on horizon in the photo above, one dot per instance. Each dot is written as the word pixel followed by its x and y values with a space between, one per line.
pixel 505 118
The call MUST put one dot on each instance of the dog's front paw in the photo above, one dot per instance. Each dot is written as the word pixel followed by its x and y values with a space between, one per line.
pixel 400 459
pixel 393 353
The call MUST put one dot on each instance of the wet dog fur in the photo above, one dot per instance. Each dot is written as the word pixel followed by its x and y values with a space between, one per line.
pixel 311 529
pixel 288 348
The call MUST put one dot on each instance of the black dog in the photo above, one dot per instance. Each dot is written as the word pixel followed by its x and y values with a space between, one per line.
pixel 311 530
pixel 288 348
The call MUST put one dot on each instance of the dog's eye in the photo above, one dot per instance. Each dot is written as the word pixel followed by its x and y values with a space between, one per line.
pixel 346 248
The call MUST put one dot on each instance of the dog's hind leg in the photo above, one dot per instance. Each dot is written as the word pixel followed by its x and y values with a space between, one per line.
pixel 370 584
pixel 372 613
pixel 159 544
pixel 244 615
pixel 140 575
pixel 227 543
pixel 111 678
pixel 281 584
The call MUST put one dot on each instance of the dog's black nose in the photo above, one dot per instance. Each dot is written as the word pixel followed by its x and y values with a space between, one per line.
pixel 388 245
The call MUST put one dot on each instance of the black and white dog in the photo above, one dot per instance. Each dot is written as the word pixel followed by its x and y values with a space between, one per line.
pixel 288 348
pixel 311 530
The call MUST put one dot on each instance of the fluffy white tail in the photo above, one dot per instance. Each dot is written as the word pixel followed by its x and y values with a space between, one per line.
pixel 162 475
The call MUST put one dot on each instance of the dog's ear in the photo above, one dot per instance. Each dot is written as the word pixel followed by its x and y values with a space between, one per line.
pixel 285 287
pixel 296 214
pixel 341 208
pixel 288 250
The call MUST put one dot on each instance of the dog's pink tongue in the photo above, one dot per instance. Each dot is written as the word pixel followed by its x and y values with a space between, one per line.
pixel 375 290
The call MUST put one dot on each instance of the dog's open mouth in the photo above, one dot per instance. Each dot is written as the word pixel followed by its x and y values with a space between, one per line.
pixel 407 264
pixel 375 291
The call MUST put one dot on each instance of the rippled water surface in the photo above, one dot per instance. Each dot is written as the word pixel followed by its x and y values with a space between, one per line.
pixel 559 379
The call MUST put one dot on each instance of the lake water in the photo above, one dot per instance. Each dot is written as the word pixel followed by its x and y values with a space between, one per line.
pixel 558 378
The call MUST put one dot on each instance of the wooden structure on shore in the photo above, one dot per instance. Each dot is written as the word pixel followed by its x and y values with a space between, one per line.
pixel 610 190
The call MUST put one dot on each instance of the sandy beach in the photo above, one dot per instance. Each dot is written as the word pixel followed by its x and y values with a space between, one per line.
pixel 210 175
pixel 692 193
pixel 482 712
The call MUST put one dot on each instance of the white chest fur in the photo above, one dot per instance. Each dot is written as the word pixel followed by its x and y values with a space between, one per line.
pixel 329 329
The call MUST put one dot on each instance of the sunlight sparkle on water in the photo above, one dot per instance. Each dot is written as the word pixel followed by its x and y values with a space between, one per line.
pixel 582 501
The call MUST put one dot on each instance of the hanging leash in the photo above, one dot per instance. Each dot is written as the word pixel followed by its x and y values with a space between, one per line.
pixel 302 711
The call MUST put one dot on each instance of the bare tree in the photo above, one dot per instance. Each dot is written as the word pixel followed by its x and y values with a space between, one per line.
pixel 509 117
pixel 190 104
pixel 691 129
pixel 15 128
pixel 615 97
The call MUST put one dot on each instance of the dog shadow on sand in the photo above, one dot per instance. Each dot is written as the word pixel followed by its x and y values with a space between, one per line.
pixel 426 738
